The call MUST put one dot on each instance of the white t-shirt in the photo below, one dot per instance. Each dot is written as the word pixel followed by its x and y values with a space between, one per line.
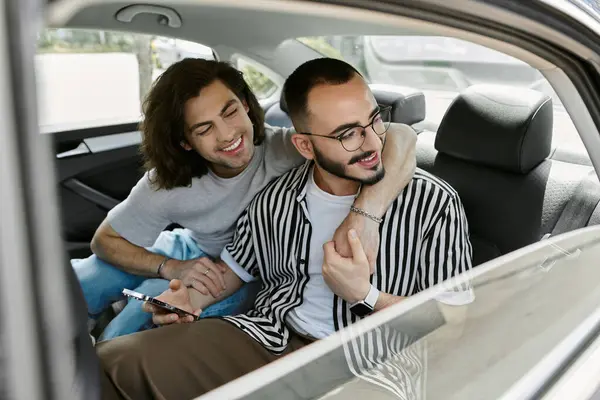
pixel 326 212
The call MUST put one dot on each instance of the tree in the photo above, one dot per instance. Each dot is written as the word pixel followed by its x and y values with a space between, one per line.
pixel 143 51
pixel 260 84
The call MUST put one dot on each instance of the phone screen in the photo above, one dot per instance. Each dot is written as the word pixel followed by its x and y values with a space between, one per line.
pixel 156 302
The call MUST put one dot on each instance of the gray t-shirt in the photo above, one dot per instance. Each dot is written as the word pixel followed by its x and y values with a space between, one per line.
pixel 210 207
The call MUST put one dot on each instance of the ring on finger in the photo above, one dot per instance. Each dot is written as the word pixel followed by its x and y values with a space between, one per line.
pixel 207 271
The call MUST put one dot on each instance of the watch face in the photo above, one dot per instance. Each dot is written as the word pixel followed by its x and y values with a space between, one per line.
pixel 361 309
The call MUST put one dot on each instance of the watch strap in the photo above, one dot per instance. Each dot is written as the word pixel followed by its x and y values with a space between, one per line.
pixel 372 297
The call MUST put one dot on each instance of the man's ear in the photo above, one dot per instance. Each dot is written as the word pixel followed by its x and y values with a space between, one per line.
pixel 246 107
pixel 304 145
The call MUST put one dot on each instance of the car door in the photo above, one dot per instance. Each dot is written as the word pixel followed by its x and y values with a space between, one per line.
pixel 96 169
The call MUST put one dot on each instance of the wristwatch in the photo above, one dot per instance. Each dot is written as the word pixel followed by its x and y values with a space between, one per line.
pixel 365 307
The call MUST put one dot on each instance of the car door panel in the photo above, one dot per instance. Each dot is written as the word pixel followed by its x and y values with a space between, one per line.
pixel 96 169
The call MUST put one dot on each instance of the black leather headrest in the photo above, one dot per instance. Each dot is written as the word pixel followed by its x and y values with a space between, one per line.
pixel 501 127
pixel 408 105
pixel 283 104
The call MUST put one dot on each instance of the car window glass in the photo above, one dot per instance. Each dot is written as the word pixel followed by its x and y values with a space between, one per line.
pixel 515 328
pixel 261 85
pixel 442 67
pixel 88 78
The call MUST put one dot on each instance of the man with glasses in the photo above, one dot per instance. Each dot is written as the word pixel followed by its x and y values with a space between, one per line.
pixel 284 240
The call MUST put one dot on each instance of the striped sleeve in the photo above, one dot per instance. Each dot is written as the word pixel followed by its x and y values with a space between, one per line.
pixel 239 254
pixel 447 253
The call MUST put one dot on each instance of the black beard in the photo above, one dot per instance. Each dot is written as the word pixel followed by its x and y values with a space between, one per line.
pixel 338 169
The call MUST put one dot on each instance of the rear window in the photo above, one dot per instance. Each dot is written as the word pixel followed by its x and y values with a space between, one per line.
pixel 442 67
pixel 261 85
pixel 89 78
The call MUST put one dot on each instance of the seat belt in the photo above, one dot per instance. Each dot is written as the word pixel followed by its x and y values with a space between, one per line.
pixel 580 207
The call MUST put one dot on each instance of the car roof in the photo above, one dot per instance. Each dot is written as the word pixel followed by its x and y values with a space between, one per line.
pixel 213 25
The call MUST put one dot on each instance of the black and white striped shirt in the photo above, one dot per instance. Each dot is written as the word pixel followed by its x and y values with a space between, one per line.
pixel 397 363
pixel 424 241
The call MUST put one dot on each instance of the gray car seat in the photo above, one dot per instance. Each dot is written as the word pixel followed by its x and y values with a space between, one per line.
pixel 492 146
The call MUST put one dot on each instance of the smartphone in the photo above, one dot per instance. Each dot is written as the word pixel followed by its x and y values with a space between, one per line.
pixel 161 304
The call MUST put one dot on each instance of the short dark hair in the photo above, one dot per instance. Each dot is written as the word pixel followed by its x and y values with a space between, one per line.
pixel 310 74
pixel 163 125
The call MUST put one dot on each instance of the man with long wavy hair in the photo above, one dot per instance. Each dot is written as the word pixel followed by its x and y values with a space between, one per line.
pixel 207 152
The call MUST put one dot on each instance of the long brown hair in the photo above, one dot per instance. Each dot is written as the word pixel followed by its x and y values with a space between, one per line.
pixel 163 125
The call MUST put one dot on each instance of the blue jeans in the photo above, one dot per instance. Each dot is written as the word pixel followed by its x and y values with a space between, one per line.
pixel 102 284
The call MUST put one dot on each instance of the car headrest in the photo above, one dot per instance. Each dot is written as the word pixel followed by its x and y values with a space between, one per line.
pixel 283 104
pixel 502 127
pixel 408 105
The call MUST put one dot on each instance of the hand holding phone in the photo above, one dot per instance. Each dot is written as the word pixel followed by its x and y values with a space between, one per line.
pixel 164 312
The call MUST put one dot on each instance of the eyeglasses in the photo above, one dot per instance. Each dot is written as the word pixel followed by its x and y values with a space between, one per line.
pixel 353 138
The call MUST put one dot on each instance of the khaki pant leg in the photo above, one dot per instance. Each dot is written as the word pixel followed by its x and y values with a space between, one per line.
pixel 178 362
